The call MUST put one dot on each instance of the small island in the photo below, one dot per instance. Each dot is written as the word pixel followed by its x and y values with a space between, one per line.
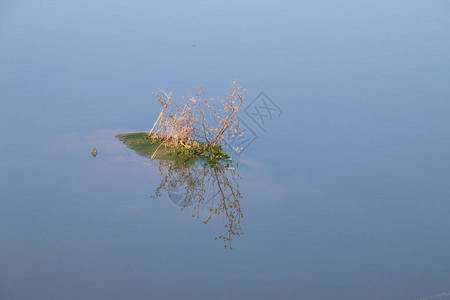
pixel 191 128
pixel 154 147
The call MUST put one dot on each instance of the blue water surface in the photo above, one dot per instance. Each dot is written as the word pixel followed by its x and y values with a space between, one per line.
pixel 345 195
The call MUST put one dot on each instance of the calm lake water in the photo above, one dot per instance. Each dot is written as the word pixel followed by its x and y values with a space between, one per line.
pixel 346 195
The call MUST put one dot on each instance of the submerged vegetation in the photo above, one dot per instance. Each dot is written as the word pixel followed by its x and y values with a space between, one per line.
pixel 146 145
pixel 193 127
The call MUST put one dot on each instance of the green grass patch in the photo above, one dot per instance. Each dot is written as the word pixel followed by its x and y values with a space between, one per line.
pixel 146 146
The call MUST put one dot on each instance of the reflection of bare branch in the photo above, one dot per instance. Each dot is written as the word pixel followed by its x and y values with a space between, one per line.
pixel 210 191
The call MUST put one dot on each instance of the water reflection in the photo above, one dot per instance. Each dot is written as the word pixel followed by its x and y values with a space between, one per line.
pixel 207 192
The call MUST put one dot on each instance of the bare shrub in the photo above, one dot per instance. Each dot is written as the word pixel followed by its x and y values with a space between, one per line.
pixel 196 121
